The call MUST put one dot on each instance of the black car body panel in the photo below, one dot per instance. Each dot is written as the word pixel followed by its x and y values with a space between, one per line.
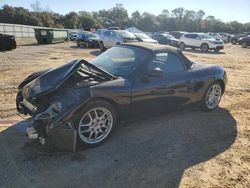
pixel 7 42
pixel 244 41
pixel 166 39
pixel 88 40
pixel 54 97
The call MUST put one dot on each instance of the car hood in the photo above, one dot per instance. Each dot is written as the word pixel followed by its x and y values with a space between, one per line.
pixel 51 80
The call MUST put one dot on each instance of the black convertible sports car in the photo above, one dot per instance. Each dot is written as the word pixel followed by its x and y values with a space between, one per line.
pixel 83 101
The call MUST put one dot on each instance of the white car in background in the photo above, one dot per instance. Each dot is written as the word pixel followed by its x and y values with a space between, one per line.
pixel 111 38
pixel 200 40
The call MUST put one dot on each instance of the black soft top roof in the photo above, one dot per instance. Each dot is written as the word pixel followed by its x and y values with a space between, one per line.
pixel 152 47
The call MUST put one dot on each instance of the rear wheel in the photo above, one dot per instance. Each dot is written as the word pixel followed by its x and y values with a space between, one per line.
pixel 95 123
pixel 212 97
pixel 182 46
pixel 204 47
pixel 244 45
pixel 234 41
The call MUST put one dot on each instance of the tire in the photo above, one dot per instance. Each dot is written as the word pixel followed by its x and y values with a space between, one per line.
pixel 211 100
pixel 234 41
pixel 102 47
pixel 95 123
pixel 216 50
pixel 87 44
pixel 182 46
pixel 204 47
pixel 244 45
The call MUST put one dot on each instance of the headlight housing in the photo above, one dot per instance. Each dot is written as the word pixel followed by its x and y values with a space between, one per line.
pixel 51 112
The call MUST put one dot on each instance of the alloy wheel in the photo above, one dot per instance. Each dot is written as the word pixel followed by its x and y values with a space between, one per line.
pixel 213 96
pixel 95 125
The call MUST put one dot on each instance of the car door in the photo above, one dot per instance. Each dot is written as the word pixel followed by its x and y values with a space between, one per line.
pixel 113 38
pixel 196 40
pixel 105 39
pixel 153 93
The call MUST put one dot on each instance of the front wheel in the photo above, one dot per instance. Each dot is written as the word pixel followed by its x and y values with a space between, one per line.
pixel 182 46
pixel 216 50
pixel 204 47
pixel 212 97
pixel 244 45
pixel 95 123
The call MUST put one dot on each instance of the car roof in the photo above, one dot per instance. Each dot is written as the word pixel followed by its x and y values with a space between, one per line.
pixel 152 47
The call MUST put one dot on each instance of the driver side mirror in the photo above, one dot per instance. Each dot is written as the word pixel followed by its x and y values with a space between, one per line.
pixel 155 72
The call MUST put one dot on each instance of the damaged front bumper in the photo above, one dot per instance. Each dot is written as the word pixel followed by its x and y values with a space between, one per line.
pixel 54 127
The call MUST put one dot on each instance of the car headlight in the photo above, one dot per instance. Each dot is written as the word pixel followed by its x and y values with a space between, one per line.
pixel 51 112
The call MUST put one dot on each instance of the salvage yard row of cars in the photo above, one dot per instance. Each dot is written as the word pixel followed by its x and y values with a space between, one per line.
pixel 107 38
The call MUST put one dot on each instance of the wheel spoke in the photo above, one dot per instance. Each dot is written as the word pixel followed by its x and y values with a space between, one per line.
pixel 96 114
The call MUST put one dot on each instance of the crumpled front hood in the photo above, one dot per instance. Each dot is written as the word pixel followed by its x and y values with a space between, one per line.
pixel 50 80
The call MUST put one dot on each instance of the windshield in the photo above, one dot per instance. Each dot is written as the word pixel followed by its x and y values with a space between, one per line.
pixel 125 34
pixel 206 36
pixel 90 35
pixel 142 36
pixel 168 36
pixel 121 61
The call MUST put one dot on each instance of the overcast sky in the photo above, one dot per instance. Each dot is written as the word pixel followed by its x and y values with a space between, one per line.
pixel 226 10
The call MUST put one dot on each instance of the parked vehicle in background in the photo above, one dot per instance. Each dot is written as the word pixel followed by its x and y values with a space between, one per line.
pixel 200 40
pixel 235 38
pixel 100 31
pixel 177 34
pixel 165 38
pixel 72 35
pixel 226 37
pixel 88 40
pixel 245 42
pixel 144 38
pixel 7 42
pixel 111 38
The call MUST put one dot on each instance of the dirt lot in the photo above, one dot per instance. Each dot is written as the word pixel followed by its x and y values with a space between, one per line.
pixel 187 148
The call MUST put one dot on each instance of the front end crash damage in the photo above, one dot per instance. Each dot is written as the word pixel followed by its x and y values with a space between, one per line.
pixel 53 98
pixel 55 127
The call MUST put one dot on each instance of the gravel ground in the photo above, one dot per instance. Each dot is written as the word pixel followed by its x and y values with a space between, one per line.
pixel 187 148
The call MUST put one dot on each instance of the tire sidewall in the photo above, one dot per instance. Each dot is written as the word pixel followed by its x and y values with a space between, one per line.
pixel 207 47
pixel 91 105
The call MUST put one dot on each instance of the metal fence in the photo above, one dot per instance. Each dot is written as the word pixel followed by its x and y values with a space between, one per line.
pixel 19 31
pixel 24 34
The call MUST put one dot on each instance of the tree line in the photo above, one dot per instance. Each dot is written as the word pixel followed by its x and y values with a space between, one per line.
pixel 177 19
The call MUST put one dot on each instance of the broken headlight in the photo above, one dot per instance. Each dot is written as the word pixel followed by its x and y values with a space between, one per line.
pixel 51 112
